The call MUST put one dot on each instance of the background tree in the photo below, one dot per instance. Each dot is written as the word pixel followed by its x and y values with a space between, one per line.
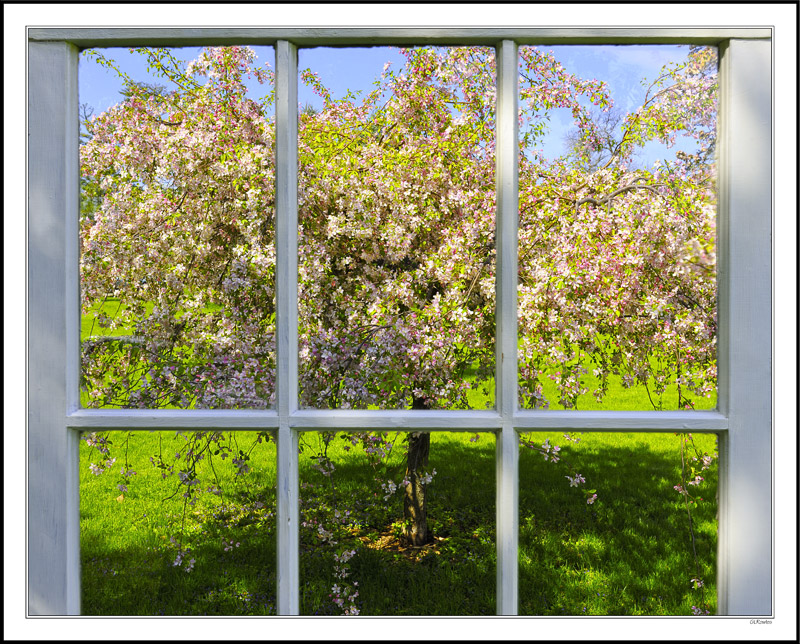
pixel 593 157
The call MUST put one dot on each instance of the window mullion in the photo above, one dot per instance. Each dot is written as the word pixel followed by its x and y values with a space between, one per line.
pixel 507 450
pixel 286 322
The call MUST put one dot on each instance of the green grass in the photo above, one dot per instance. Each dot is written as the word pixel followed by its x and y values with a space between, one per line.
pixel 126 553
pixel 620 398
pixel 628 554
pixel 112 308
pixel 453 576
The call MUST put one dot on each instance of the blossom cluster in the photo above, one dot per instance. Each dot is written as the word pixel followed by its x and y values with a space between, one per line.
pixel 344 596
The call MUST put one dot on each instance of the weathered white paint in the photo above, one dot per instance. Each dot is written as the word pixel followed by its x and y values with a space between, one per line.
pixel 385 420
pixel 507 448
pixel 743 419
pixel 745 330
pixel 362 37
pixel 456 420
pixel 53 554
pixel 507 188
pixel 170 419
pixel 621 421
pixel 288 492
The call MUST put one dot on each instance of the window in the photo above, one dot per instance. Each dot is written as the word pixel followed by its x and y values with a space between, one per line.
pixel 742 420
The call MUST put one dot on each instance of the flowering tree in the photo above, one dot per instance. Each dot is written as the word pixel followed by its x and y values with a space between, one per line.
pixel 617 266
pixel 396 253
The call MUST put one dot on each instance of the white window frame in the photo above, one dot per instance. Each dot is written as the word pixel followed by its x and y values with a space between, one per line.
pixel 743 419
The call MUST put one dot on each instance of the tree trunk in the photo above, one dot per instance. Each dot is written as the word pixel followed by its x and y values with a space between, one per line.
pixel 415 506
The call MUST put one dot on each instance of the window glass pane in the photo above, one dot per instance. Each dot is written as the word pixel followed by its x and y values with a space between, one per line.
pixel 178 524
pixel 617 228
pixel 605 527
pixel 357 552
pixel 396 264
pixel 177 228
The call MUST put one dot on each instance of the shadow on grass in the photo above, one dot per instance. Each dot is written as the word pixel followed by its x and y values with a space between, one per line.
pixel 144 581
pixel 131 568
pixel 628 554
pixel 454 575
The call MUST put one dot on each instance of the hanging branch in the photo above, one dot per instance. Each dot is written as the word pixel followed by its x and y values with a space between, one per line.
pixel 606 201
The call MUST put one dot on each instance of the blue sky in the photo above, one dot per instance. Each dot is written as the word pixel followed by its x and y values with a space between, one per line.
pixel 622 67
pixel 341 69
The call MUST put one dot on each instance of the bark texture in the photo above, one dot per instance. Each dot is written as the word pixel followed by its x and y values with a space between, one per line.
pixel 415 506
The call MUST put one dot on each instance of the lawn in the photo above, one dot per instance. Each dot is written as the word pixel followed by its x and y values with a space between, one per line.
pixel 145 551
pixel 629 553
